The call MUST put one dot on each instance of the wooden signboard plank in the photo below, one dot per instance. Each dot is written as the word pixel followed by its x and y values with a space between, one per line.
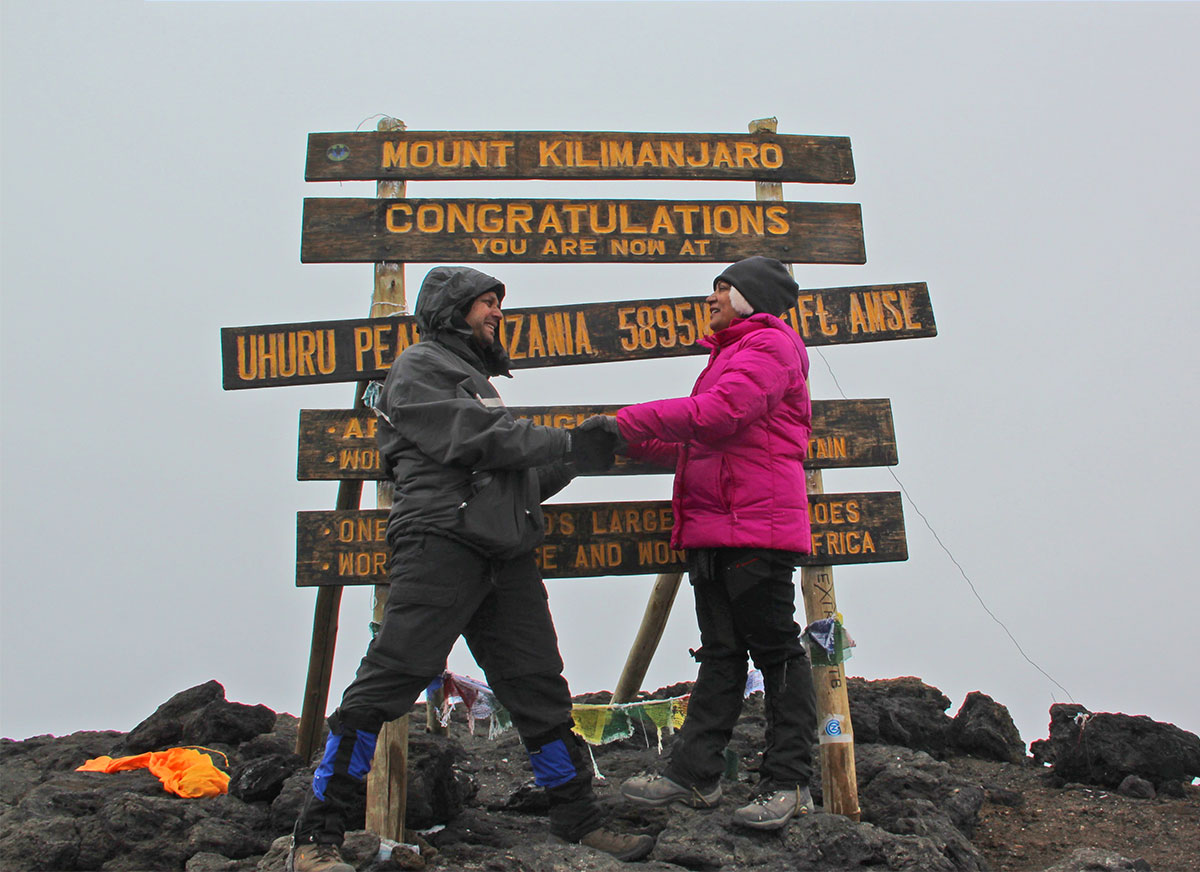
pixel 339 444
pixel 601 539
pixel 341 230
pixel 459 154
pixel 341 351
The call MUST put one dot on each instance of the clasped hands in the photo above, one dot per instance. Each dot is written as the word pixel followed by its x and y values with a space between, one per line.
pixel 594 444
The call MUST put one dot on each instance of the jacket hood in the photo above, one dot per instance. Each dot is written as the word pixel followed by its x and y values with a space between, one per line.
pixel 446 292
pixel 441 315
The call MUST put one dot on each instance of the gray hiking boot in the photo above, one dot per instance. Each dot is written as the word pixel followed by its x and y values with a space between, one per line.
pixel 656 790
pixel 312 857
pixel 773 809
pixel 619 845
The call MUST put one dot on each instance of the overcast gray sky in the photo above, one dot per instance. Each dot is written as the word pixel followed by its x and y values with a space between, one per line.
pixel 1033 163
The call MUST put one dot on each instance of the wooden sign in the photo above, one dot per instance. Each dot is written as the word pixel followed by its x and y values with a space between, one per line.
pixel 345 351
pixel 339 230
pixel 459 154
pixel 600 539
pixel 339 444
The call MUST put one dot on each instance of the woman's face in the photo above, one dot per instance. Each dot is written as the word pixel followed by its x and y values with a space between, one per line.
pixel 720 310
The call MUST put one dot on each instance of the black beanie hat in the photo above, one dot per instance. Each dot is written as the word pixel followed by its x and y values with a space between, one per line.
pixel 764 282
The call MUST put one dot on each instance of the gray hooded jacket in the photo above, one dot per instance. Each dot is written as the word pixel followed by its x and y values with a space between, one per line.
pixel 462 465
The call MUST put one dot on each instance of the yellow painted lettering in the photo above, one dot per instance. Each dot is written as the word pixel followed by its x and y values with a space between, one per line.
pixel 421 154
pixel 594 219
pixel 548 153
pixel 399 218
pixel 430 218
pixel 519 216
pixel 672 153
pixel 828 328
pixel 662 222
pixel 752 218
pixel 489 224
pixel 858 321
pixel 455 156
pixel 475 153
pixel 620 154
pixel 395 154
pixel 686 211
pixel 747 154
pixel 362 344
pixel 777 220
pixel 583 341
pixel 580 160
pixel 503 148
pixel 550 220
pixel 460 215
pixel 627 225
pixel 537 345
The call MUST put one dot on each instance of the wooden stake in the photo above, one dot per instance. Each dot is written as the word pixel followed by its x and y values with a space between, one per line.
pixel 816 584
pixel 387 298
pixel 649 634
pixel 324 639
pixel 387 783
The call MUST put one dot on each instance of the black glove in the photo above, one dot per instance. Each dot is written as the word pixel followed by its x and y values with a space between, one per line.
pixel 591 450
pixel 608 424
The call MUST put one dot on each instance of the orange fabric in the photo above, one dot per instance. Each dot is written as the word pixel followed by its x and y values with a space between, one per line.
pixel 183 771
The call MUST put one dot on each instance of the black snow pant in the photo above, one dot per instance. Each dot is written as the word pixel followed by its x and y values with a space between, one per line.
pixel 745 605
pixel 441 590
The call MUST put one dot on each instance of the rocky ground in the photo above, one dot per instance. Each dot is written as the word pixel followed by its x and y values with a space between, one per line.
pixel 1103 792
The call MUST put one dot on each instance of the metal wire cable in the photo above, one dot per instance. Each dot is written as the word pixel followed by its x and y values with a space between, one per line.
pixel 949 554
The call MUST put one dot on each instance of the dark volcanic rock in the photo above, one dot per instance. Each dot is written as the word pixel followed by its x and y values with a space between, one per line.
pixel 899 711
pixel 1104 748
pixel 226 723
pixel 1095 860
pixel 31 762
pixel 199 715
pixel 907 792
pixel 164 728
pixel 984 728
pixel 437 790
pixel 261 779
pixel 1136 788
pixel 917 813
pixel 811 843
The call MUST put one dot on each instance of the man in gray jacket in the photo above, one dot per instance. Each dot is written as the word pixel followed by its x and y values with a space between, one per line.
pixel 466 516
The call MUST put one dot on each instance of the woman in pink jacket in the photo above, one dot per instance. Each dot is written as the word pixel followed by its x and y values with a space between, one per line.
pixel 741 511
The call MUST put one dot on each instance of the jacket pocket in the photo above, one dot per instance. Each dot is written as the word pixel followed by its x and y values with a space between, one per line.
pixel 726 486
pixel 494 518
pixel 422 577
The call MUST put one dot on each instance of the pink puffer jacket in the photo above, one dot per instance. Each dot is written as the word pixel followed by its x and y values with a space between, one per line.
pixel 737 442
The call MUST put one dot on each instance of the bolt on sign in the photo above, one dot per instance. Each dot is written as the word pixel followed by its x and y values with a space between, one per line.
pixel 339 444
pixel 602 539
pixel 344 351
pixel 343 230
pixel 428 155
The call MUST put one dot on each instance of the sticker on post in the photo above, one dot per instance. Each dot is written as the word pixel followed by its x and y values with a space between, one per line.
pixel 833 731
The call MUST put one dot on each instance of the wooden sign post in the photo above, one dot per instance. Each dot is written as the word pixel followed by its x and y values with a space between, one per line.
pixel 387 782
pixel 834 733
pixel 347 546
pixel 387 296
